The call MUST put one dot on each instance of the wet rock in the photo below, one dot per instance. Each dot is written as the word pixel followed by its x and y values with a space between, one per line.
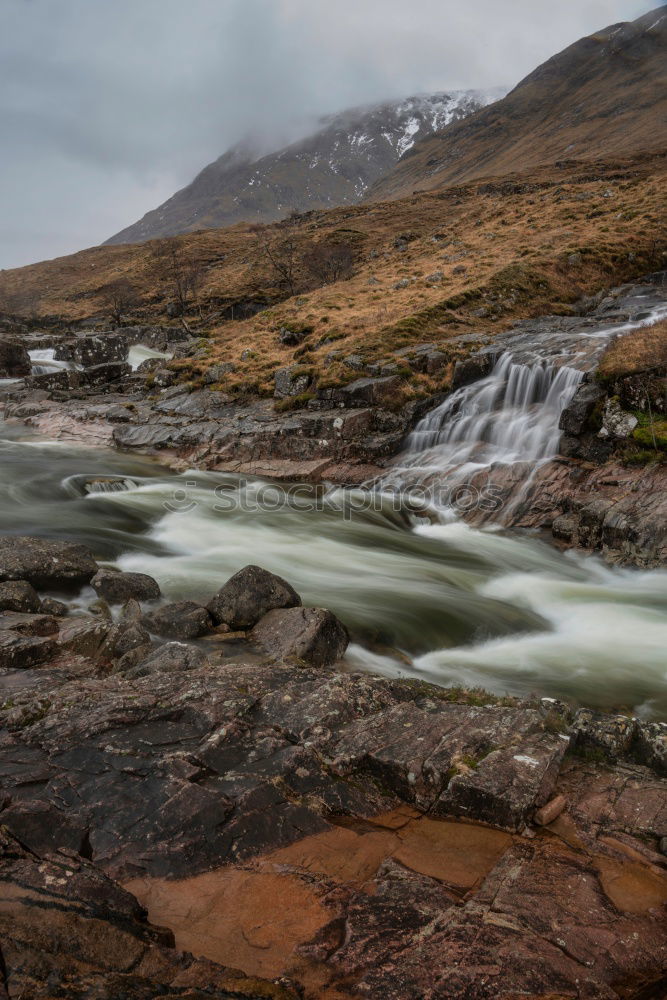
pixel 117 587
pixel 45 563
pixel 50 606
pixel 93 350
pixel 18 595
pixel 68 930
pixel 131 611
pixel 578 416
pixel 312 635
pixel 18 652
pixel 14 359
pixel 28 624
pixel 101 609
pixel 122 639
pixel 248 596
pixel 173 656
pixel 83 636
pixel 652 745
pixel 471 370
pixel 182 620
pixel 613 734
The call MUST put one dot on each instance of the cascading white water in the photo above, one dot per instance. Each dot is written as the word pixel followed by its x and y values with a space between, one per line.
pixel 44 362
pixel 510 416
pixel 139 353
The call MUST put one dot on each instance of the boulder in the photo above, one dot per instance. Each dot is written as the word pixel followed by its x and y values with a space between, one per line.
pixel 14 359
pixel 248 596
pixel 616 423
pixel 182 620
pixel 291 381
pixel 19 595
pixel 117 587
pixel 44 562
pixel 312 635
pixel 49 606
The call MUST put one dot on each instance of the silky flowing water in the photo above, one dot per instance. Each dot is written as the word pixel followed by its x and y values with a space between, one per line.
pixel 433 599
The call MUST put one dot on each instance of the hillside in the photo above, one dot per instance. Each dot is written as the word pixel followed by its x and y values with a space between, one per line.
pixel 334 166
pixel 604 96
pixel 430 268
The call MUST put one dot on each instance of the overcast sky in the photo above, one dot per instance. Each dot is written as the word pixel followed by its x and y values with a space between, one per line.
pixel 109 106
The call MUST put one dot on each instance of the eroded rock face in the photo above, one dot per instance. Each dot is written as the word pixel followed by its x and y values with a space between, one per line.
pixel 44 562
pixel 249 595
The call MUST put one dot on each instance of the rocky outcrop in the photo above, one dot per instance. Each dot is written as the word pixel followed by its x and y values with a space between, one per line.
pixel 14 358
pixel 45 563
pixel 298 822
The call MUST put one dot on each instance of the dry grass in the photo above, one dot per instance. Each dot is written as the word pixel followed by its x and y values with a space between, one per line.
pixel 637 351
pixel 504 255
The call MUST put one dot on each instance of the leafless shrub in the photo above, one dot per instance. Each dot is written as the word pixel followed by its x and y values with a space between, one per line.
pixel 119 297
pixel 179 273
pixel 329 262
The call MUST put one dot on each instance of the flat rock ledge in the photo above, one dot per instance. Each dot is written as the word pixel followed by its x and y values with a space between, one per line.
pixel 329 834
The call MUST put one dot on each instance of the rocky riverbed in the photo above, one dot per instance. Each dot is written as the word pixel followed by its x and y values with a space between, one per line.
pixel 201 794
pixel 197 801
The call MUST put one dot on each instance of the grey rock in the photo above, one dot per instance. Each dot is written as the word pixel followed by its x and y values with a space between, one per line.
pixel 613 734
pixel 50 606
pixel 182 620
pixel 117 587
pixel 312 635
pixel 577 416
pixel 44 562
pixel 248 596
pixel 172 657
pixel 616 423
pixel 291 382
pixel 14 359
pixel 19 652
pixel 19 595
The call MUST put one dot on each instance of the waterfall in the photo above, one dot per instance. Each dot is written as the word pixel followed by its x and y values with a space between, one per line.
pixel 44 363
pixel 511 416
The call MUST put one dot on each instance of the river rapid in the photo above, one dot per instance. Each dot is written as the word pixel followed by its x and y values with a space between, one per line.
pixel 426 597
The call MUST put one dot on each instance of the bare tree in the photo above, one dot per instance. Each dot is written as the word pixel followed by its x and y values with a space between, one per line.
pixel 329 262
pixel 283 258
pixel 120 297
pixel 179 272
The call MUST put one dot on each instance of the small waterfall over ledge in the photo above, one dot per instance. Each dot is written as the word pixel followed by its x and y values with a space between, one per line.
pixel 509 417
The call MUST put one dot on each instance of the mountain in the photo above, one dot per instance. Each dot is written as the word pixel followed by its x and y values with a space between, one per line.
pixel 604 96
pixel 335 166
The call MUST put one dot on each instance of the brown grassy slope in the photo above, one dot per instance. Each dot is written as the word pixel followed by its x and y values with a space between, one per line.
pixel 637 351
pixel 504 253
pixel 604 96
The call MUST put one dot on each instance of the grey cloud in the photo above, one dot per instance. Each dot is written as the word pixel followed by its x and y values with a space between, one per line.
pixel 108 106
